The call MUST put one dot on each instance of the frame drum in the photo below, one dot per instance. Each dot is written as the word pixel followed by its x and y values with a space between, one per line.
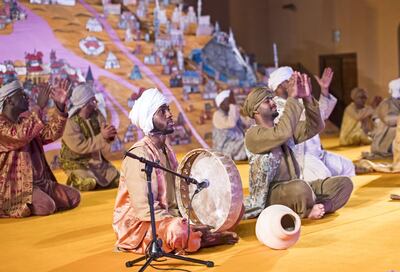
pixel 219 205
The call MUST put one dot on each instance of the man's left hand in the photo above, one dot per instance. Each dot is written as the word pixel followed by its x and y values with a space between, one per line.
pixel 325 81
pixel 60 93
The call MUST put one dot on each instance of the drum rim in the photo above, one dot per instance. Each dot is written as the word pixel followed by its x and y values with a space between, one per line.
pixel 234 177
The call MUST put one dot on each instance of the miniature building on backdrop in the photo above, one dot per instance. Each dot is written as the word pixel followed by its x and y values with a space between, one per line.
pixel 222 60
pixel 91 46
pixel 191 81
pixel 210 90
pixel 93 25
pixel 135 73
pixel 111 61
pixel 129 135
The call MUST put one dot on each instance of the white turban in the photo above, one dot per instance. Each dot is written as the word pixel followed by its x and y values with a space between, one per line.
pixel 80 96
pixel 145 107
pixel 394 88
pixel 221 97
pixel 278 76
pixel 7 91
pixel 101 104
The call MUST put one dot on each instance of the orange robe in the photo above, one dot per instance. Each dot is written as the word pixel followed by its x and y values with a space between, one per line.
pixel 131 220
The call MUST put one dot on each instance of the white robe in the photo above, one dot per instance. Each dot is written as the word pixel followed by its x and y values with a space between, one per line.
pixel 316 163
pixel 228 133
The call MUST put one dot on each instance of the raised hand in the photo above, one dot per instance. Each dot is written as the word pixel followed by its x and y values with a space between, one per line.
pixel 306 84
pixel 299 86
pixel 293 85
pixel 108 132
pixel 325 80
pixel 376 101
pixel 60 92
pixel 43 96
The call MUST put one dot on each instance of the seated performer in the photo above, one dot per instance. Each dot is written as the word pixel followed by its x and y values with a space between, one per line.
pixel 228 127
pixel 132 213
pixel 387 112
pixel 274 171
pixel 315 163
pixel 86 137
pixel 357 120
pixel 27 185
pixel 366 166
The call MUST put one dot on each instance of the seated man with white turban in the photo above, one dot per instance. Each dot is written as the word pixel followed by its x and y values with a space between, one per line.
pixel 228 127
pixel 315 163
pixel 357 120
pixel 86 138
pixel 274 171
pixel 27 185
pixel 131 224
pixel 387 112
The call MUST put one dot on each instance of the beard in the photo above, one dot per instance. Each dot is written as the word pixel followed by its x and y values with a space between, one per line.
pixel 166 131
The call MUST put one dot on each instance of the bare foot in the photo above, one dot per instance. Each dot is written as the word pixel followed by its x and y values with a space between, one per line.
pixel 219 238
pixel 317 212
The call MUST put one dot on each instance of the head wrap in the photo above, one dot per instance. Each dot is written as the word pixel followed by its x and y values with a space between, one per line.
pixel 254 100
pixel 394 88
pixel 101 104
pixel 7 91
pixel 221 97
pixel 356 91
pixel 80 96
pixel 145 107
pixel 278 76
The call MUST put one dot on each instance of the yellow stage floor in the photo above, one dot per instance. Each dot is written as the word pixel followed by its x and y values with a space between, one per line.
pixel 363 236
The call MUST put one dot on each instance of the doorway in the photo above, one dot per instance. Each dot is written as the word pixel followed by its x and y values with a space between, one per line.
pixel 344 80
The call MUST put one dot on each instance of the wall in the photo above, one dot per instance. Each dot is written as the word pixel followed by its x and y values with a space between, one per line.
pixel 368 28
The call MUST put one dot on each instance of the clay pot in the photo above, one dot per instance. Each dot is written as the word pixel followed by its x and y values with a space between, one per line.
pixel 278 227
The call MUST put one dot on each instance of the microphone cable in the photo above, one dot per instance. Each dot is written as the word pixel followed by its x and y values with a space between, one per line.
pixel 189 208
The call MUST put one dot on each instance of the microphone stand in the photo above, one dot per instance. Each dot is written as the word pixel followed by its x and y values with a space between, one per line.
pixel 156 251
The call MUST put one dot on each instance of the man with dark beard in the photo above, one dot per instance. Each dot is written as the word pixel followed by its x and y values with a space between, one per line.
pixel 131 222
pixel 274 171
pixel 27 185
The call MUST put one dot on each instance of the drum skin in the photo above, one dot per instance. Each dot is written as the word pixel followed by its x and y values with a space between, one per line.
pixel 219 205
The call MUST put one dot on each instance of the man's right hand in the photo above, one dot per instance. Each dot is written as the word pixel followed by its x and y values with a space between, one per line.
pixel 108 132
pixel 43 96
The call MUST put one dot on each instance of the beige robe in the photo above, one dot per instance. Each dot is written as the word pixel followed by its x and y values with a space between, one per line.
pixel 394 167
pixel 228 133
pixel 388 112
pixel 274 171
pixel 352 131
pixel 82 152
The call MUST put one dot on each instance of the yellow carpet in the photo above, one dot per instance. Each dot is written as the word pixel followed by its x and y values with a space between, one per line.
pixel 363 236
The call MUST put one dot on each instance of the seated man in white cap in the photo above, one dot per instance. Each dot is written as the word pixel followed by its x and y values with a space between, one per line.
pixel 228 127
pixel 387 112
pixel 86 138
pixel 274 171
pixel 27 185
pixel 357 120
pixel 315 163
pixel 132 213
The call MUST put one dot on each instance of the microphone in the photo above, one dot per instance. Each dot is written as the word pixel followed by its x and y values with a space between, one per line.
pixel 205 183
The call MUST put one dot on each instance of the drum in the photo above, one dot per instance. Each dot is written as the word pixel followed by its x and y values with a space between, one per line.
pixel 219 205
